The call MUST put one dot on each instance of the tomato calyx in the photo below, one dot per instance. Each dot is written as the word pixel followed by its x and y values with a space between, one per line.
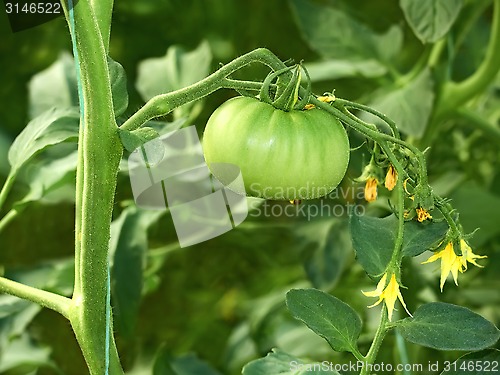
pixel 286 99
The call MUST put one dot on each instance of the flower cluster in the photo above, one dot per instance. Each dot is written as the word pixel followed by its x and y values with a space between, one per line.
pixel 372 176
pixel 387 292
pixel 453 263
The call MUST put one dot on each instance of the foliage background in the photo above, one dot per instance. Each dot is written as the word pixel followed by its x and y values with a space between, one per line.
pixel 224 299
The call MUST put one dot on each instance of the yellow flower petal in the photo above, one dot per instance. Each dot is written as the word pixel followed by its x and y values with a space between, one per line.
pixel 423 214
pixel 432 258
pixel 453 263
pixel 400 297
pixel 389 294
pixel 380 288
pixel 468 255
pixel 371 189
pixel 376 303
pixel 326 98
pixel 391 178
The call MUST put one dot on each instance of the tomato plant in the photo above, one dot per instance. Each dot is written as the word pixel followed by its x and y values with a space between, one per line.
pixel 414 115
pixel 297 154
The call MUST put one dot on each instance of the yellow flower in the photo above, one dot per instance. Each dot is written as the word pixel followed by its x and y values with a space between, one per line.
pixel 453 263
pixel 371 189
pixel 468 255
pixel 389 293
pixel 324 99
pixel 391 178
pixel 327 98
pixel 423 214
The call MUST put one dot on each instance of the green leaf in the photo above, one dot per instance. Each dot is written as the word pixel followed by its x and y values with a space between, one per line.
pixel 128 246
pixel 445 326
pixel 46 178
pixel 333 34
pixel 134 139
pixel 56 86
pixel 335 69
pixel 373 240
pixel 15 316
pixel 430 20
pixel 22 353
pixel 280 363
pixel 478 363
pixel 420 237
pixel 119 91
pixel 176 70
pixel 389 45
pixel 5 142
pixel 297 339
pixel 56 276
pixel 325 246
pixel 327 316
pixel 240 348
pixel 188 364
pixel 162 364
pixel 50 128
pixel 409 106
pixel 10 305
pixel 478 209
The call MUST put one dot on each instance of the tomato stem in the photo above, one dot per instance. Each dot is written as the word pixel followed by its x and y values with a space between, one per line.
pixel 50 300
pixel 382 329
pixel 161 105
pixel 9 182
pixel 99 154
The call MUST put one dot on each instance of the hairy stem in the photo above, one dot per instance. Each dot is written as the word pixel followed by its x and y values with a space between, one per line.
pixel 369 130
pixel 163 104
pixel 100 152
pixel 371 356
pixel 103 10
pixel 398 245
pixel 387 120
pixel 43 298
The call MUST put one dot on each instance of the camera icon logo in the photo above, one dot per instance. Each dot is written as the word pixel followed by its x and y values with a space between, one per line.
pixel 170 173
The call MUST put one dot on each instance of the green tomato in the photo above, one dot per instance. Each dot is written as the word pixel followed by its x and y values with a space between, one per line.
pixel 281 155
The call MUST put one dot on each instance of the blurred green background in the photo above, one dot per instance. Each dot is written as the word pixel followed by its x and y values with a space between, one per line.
pixel 224 299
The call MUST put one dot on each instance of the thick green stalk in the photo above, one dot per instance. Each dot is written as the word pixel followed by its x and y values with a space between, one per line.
pixel 100 154
pixel 456 94
pixel 453 95
pixel 102 10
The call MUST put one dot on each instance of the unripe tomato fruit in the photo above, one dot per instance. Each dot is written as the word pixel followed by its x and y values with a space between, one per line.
pixel 281 155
